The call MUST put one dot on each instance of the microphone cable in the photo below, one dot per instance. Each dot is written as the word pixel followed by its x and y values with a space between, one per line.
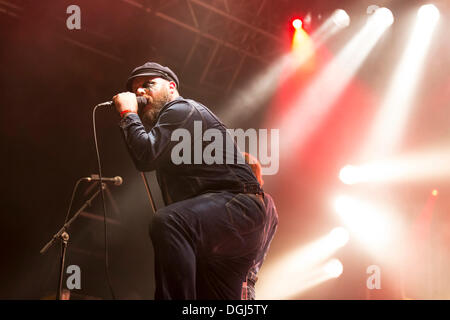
pixel 104 206
pixel 71 200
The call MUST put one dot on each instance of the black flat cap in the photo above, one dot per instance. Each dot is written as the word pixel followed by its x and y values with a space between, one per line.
pixel 152 69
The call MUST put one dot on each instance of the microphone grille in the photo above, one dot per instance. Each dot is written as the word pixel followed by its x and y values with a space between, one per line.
pixel 142 101
pixel 118 180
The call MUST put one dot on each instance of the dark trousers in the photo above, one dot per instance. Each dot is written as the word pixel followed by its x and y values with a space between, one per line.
pixel 205 246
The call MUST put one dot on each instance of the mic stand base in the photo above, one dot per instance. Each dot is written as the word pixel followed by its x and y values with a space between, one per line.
pixel 64 242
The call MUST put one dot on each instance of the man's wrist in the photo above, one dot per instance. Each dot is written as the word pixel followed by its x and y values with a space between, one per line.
pixel 125 112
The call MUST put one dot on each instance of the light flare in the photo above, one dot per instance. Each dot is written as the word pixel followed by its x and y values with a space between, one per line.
pixel 391 120
pixel 302 268
pixel 313 103
pixel 246 101
pixel 372 225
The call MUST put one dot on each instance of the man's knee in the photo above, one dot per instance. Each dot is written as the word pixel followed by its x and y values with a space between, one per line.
pixel 161 224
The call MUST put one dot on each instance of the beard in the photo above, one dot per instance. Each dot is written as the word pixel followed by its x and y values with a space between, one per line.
pixel 150 116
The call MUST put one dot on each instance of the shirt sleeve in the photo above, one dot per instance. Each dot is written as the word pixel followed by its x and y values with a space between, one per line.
pixel 152 149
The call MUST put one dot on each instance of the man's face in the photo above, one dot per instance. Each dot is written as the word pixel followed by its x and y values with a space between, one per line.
pixel 156 90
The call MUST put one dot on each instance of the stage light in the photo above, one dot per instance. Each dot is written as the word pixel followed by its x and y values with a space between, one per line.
pixel 429 13
pixel 435 193
pixel 303 51
pixel 371 172
pixel 313 103
pixel 245 102
pixel 302 47
pixel 383 16
pixel 341 18
pixel 338 237
pixel 297 24
pixel 369 223
pixel 333 268
pixel 338 20
pixel 349 174
pixel 429 164
pixel 390 122
pixel 302 268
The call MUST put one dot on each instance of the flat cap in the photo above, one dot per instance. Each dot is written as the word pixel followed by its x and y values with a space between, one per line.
pixel 152 69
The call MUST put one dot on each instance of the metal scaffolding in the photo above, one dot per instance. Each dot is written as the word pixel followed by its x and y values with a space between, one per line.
pixel 226 35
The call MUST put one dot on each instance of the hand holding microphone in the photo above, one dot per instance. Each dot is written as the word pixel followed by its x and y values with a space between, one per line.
pixel 126 101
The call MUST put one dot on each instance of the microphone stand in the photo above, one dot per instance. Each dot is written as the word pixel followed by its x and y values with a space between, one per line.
pixel 64 237
pixel 149 194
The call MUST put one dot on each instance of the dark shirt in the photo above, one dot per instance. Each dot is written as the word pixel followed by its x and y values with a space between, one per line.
pixel 269 232
pixel 153 151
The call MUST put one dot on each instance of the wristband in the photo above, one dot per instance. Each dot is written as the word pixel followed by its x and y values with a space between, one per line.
pixel 125 112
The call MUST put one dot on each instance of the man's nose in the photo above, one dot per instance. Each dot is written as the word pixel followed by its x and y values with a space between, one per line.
pixel 140 92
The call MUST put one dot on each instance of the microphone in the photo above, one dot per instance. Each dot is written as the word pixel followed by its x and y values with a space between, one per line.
pixel 142 102
pixel 117 180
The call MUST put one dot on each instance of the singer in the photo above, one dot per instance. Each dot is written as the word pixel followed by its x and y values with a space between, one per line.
pixel 208 235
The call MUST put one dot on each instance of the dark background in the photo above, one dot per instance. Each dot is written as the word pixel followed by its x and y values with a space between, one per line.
pixel 52 77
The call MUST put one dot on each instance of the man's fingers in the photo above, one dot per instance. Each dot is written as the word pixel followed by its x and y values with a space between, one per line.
pixel 125 101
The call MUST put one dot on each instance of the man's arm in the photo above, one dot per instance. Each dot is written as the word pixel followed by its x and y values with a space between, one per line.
pixel 152 149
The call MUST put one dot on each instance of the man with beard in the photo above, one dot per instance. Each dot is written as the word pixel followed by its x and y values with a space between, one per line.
pixel 207 236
